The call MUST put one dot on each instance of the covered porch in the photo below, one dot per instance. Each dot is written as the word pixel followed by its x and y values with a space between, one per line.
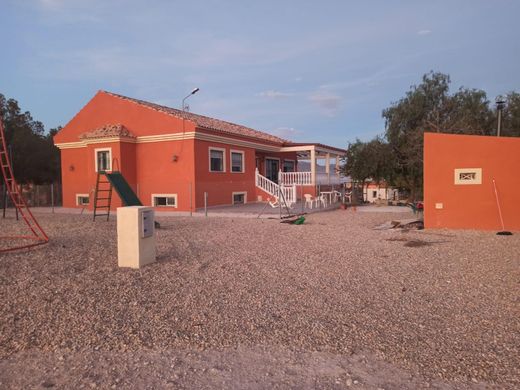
pixel 294 171
pixel 299 164
pixel 312 176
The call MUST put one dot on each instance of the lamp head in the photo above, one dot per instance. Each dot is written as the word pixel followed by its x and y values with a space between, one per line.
pixel 500 102
pixel 195 91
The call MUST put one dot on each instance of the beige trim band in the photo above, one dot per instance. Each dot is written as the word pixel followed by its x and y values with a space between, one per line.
pixel 171 137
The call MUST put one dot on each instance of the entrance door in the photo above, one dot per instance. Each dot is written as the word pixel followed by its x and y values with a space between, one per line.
pixel 272 167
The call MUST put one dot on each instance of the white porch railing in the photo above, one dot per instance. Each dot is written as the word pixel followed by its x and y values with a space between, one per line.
pixel 297 178
pixel 269 186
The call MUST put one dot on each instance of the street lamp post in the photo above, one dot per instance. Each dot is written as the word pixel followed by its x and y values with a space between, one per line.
pixel 185 107
pixel 501 103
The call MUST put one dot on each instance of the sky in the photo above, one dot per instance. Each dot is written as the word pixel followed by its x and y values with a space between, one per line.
pixel 308 71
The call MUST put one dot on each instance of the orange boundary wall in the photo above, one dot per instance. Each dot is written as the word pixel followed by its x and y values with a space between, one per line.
pixel 447 205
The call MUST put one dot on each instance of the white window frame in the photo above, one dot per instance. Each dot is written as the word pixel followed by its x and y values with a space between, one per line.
pixel 238 193
pixel 82 196
pixel 109 150
pixel 293 161
pixel 231 160
pixel 223 150
pixel 165 196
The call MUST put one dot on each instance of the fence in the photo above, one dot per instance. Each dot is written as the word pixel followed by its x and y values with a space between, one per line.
pixel 36 195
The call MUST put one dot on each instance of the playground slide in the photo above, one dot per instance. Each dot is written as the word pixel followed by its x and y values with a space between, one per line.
pixel 123 189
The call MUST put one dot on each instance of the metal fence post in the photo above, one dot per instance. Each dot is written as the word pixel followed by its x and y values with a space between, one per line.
pixel 191 203
pixel 301 198
pixel 205 204
pixel 52 196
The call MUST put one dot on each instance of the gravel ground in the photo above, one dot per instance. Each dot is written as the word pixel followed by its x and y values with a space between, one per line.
pixel 330 303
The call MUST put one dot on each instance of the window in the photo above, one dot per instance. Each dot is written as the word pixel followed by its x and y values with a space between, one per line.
pixel 82 200
pixel 216 160
pixel 103 159
pixel 239 197
pixel 164 200
pixel 468 176
pixel 237 161
pixel 374 194
pixel 288 165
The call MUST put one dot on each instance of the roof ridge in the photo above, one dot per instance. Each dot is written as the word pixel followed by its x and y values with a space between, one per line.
pixel 193 117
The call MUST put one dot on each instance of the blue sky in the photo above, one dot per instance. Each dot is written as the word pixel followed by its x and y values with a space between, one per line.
pixel 319 71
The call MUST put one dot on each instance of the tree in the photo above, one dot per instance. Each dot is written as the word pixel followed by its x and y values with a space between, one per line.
pixel 369 161
pixel 35 158
pixel 511 115
pixel 429 107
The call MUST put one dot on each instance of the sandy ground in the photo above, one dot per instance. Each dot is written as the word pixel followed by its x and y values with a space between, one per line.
pixel 245 303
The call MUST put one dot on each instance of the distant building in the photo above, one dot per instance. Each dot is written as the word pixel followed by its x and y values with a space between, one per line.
pixel 376 192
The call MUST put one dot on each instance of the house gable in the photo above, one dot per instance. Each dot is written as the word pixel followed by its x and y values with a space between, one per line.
pixel 105 109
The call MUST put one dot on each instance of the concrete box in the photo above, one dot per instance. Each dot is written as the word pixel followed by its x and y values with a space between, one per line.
pixel 135 236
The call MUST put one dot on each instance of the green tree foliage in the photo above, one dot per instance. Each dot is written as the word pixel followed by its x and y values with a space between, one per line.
pixel 35 158
pixel 511 115
pixel 428 107
pixel 369 161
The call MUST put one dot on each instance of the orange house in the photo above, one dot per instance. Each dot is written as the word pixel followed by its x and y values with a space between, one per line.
pixel 171 158
pixel 458 181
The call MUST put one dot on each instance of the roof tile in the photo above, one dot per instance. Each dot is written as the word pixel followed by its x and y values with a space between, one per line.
pixel 207 122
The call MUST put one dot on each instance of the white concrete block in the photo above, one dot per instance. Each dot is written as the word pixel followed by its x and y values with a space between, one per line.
pixel 135 236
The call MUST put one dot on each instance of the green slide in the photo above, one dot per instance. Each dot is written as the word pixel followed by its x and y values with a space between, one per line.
pixel 125 192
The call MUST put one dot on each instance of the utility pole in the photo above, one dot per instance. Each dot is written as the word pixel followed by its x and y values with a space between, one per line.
pixel 501 103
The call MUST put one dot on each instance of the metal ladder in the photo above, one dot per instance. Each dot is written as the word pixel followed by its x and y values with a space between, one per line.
pixel 103 194
pixel 18 200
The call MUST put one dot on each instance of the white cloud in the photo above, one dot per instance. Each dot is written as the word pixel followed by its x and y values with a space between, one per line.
pixel 424 32
pixel 286 132
pixel 272 94
pixel 328 102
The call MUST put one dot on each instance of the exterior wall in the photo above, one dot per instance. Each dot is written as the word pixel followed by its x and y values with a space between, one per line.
pixel 221 185
pixel 127 163
pixel 74 169
pixel 471 206
pixel 79 174
pixel 158 173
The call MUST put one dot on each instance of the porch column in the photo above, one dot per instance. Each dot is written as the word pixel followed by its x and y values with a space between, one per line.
pixel 313 166
pixel 337 167
pixel 327 167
